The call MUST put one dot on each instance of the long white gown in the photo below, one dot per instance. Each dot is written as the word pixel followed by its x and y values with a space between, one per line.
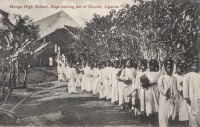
pixel 167 107
pixel 87 78
pixel 102 93
pixel 128 73
pixel 72 80
pixel 191 90
pixel 107 82
pixel 121 87
pixel 97 81
pixel 136 92
pixel 114 83
pixel 66 72
pixel 182 104
pixel 78 80
pixel 91 80
pixel 83 83
pixel 149 99
pixel 60 70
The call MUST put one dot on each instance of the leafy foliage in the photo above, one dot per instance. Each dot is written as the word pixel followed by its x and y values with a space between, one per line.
pixel 148 29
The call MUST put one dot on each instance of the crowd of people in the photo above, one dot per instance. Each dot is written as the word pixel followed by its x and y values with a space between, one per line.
pixel 145 87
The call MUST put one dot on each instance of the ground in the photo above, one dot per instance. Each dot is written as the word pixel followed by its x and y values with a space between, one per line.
pixel 51 105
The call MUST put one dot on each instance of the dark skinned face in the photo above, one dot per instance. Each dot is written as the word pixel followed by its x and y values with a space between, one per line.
pixel 115 65
pixel 194 68
pixel 179 70
pixel 107 64
pixel 128 64
pixel 169 70
pixel 143 67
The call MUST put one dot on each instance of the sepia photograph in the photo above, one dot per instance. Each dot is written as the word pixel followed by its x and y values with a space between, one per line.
pixel 127 63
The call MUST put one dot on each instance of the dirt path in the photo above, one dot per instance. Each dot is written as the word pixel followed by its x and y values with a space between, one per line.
pixel 51 105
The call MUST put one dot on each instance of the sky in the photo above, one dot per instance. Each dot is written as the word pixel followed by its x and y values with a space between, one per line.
pixel 78 14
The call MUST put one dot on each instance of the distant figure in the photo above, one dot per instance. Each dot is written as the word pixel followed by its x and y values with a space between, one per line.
pixel 72 79
pixel 50 61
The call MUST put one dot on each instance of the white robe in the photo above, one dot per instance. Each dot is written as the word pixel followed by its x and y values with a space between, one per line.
pixel 136 86
pixel 121 87
pixel 114 83
pixel 102 93
pixel 91 80
pixel 72 80
pixel 87 78
pixel 78 80
pixel 66 72
pixel 167 107
pixel 60 70
pixel 191 90
pixel 182 104
pixel 128 73
pixel 107 85
pixel 97 81
pixel 83 82
pixel 149 99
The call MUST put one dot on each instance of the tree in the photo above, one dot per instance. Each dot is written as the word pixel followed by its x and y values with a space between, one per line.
pixel 17 40
pixel 149 29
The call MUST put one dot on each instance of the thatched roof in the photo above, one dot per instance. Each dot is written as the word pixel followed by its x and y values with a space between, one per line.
pixel 54 22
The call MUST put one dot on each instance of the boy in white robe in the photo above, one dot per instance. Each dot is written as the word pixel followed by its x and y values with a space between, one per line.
pixel 107 80
pixel 114 82
pixel 182 104
pixel 87 78
pixel 97 80
pixel 83 86
pixel 137 91
pixel 66 72
pixel 129 75
pixel 168 95
pixel 121 84
pixel 102 93
pixel 149 99
pixel 59 71
pixel 72 79
pixel 191 92
pixel 91 78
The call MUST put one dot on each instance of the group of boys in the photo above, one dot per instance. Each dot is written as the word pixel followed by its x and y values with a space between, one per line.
pixel 168 90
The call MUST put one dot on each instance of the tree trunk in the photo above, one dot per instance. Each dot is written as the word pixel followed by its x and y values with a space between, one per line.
pixel 3 78
pixel 10 74
pixel 14 75
pixel 17 69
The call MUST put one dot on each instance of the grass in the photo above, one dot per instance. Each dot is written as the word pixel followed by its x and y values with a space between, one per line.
pixel 35 76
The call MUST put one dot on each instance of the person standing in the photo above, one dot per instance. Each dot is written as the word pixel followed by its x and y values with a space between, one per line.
pixel 167 86
pixel 129 75
pixel 149 99
pixel 107 80
pixel 182 104
pixel 114 82
pixel 121 84
pixel 137 90
pixel 97 79
pixel 87 78
pixel 72 79
pixel 83 83
pixel 91 78
pixel 191 93
pixel 102 93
